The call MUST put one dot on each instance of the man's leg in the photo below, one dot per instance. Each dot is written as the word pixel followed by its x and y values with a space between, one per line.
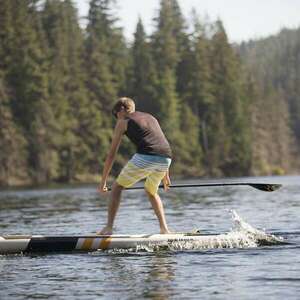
pixel 159 211
pixel 113 206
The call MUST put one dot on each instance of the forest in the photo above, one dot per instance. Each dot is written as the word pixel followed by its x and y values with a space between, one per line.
pixel 227 109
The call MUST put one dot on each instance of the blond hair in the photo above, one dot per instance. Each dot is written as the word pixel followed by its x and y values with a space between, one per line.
pixel 126 103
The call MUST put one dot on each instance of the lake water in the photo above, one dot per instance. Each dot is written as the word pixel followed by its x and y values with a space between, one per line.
pixel 271 272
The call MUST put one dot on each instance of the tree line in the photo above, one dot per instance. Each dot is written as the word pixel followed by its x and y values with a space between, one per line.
pixel 59 81
pixel 273 64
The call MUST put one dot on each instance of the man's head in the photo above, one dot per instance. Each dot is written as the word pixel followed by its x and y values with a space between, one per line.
pixel 124 105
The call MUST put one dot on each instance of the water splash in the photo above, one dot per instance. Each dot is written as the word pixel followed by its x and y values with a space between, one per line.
pixel 260 237
pixel 243 235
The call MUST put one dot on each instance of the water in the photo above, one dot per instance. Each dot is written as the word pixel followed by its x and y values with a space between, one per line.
pixel 269 272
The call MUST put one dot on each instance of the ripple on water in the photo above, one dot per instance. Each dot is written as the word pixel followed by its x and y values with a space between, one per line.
pixel 269 272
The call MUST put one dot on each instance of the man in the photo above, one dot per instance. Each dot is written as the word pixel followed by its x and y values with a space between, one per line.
pixel 151 161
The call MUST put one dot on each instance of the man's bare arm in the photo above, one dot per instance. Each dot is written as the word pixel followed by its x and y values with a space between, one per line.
pixel 120 128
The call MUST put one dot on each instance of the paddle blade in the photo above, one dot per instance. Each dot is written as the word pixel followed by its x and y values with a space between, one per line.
pixel 266 187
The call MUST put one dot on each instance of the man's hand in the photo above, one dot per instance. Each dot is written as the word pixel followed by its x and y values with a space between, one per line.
pixel 102 188
pixel 166 181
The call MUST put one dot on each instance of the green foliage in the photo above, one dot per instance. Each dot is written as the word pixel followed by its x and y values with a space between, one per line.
pixel 28 79
pixel 63 37
pixel 274 66
pixel 144 78
pixel 100 80
pixel 228 94
pixel 166 56
pixel 220 105
pixel 12 143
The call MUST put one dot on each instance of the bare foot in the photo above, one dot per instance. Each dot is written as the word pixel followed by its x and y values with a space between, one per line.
pixel 105 231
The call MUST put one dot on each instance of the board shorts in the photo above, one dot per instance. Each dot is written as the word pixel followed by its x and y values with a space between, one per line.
pixel 141 166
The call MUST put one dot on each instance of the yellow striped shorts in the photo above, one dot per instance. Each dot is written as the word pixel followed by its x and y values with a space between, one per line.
pixel 141 166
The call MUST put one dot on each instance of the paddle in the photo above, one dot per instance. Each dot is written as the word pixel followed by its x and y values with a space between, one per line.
pixel 266 187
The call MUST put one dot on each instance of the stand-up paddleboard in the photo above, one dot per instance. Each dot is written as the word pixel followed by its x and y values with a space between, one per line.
pixel 38 243
pixel 243 236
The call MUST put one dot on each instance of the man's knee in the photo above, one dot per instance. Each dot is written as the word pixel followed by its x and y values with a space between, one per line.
pixel 150 194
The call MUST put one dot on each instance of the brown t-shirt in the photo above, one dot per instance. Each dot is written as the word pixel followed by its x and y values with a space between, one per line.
pixel 144 131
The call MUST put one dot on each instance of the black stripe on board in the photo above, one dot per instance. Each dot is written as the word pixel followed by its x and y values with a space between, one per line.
pixel 51 244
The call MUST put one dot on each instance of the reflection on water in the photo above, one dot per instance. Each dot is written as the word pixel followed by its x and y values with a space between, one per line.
pixel 205 274
pixel 147 275
pixel 160 278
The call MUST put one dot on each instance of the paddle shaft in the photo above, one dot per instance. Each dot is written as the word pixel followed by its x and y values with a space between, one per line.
pixel 260 186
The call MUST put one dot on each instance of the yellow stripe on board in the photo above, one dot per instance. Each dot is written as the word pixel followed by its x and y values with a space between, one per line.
pixel 87 244
pixel 104 243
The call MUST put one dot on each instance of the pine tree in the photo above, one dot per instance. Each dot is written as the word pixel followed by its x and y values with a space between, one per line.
pixel 118 54
pixel 80 154
pixel 196 82
pixel 100 84
pixel 274 63
pixel 65 49
pixel 165 53
pixel 6 34
pixel 13 155
pixel 12 143
pixel 100 79
pixel 111 43
pixel 144 76
pixel 28 78
pixel 171 51
pixel 234 156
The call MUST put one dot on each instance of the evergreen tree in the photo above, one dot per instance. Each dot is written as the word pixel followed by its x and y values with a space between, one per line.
pixel 66 91
pixel 99 81
pixel 6 34
pixel 170 44
pixel 188 153
pixel 80 156
pixel 164 47
pixel 197 82
pixel 12 143
pixel 13 154
pixel 234 156
pixel 27 75
pixel 98 64
pixel 118 54
pixel 274 63
pixel 144 76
